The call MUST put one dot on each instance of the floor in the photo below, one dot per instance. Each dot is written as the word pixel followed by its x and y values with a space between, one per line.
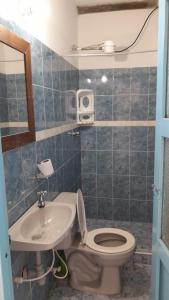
pixel 135 276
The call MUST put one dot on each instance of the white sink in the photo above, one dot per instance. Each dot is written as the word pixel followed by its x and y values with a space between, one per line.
pixel 42 229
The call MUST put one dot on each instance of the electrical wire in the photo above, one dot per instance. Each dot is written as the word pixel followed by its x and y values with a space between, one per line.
pixel 148 17
pixel 65 265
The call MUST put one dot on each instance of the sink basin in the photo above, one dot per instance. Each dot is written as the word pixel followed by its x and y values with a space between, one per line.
pixel 41 229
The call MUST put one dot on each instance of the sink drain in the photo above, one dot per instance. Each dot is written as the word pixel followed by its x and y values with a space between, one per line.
pixel 37 236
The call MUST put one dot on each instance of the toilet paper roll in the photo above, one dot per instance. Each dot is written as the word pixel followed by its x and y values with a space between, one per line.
pixel 46 167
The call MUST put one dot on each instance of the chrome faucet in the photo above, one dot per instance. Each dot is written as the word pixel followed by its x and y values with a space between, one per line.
pixel 41 199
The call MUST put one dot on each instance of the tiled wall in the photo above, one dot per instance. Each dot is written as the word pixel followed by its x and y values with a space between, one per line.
pixel 54 85
pixel 3 102
pixel 118 162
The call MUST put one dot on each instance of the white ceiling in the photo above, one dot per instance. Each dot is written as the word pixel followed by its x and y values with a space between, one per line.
pixel 100 2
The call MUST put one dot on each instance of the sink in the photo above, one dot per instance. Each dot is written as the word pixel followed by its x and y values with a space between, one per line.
pixel 41 229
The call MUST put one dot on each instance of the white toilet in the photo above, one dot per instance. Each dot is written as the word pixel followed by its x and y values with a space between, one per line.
pixel 95 257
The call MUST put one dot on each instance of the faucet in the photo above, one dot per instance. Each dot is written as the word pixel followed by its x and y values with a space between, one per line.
pixel 41 199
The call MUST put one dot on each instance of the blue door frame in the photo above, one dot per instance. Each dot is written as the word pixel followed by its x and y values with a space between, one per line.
pixel 6 287
pixel 160 269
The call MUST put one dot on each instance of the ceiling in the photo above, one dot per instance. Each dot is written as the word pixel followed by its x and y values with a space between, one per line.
pixel 102 2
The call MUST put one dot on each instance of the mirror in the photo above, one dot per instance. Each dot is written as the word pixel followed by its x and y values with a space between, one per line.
pixel 13 104
pixel 16 103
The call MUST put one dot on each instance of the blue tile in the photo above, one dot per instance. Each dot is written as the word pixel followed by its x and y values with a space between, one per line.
pixel 104 162
pixel 70 106
pixel 68 175
pixel 139 81
pixel 91 207
pixel 140 211
pixel 151 138
pixel 77 162
pixel 31 198
pixel 121 210
pixel 15 213
pixel 87 79
pixel 63 65
pixel 56 72
pixel 121 187
pixel 58 150
pixel 88 160
pixel 37 74
pixel 105 208
pixel 138 163
pixel 14 178
pixel 51 145
pixel 122 82
pixel 152 107
pixel 63 106
pixel 2 85
pixel 41 150
pixel 104 82
pixel 104 186
pixel 121 107
pixel 22 110
pixel 57 107
pixel 150 164
pixel 29 165
pixel 139 107
pixel 53 185
pixel 11 86
pixel 39 107
pixel 47 71
pixel 4 110
pixel 88 138
pixel 104 138
pixel 89 184
pixel 121 162
pixel 103 108
pixel 49 108
pixel 138 141
pixel 68 76
pixel 153 81
pixel 68 147
pixel 138 188
pixel 150 181
pixel 20 86
pixel 13 110
pixel 121 137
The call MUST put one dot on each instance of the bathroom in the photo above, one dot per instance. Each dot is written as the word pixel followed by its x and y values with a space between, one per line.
pixel 84 107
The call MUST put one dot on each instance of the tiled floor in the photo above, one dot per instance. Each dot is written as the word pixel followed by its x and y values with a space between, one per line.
pixel 136 277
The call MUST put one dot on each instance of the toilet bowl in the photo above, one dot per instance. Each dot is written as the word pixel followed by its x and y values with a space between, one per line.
pixel 95 257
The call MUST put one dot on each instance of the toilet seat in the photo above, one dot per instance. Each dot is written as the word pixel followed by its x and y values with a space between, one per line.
pixel 128 241
pixel 123 240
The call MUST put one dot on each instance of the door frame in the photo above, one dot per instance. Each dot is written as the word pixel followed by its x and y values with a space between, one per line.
pixel 6 285
pixel 159 250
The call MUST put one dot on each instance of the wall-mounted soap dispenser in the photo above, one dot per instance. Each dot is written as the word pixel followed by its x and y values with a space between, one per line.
pixel 85 107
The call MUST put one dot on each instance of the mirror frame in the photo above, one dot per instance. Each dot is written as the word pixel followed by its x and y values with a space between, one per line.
pixel 17 43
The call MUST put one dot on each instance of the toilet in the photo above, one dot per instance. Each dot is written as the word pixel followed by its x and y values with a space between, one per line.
pixel 95 257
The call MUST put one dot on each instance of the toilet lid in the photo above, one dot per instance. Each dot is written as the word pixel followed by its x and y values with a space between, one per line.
pixel 81 216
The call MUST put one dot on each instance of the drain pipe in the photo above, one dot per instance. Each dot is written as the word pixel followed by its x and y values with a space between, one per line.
pixel 39 269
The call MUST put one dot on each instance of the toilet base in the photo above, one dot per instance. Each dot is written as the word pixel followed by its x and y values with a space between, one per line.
pixel 108 284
